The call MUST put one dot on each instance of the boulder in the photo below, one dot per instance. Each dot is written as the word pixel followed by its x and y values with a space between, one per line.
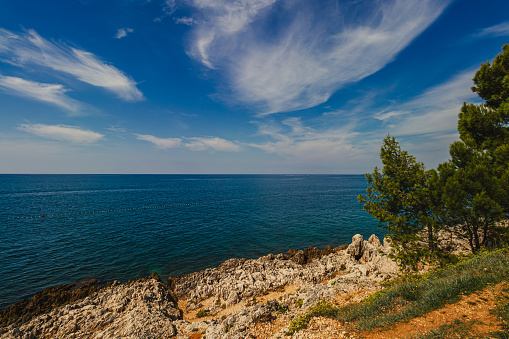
pixel 375 241
pixel 356 248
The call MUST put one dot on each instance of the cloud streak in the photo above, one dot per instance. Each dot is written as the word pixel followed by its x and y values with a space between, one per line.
pixel 54 94
pixel 501 29
pixel 434 111
pixel 30 49
pixel 122 32
pixel 161 143
pixel 72 134
pixel 291 139
pixel 310 51
pixel 193 143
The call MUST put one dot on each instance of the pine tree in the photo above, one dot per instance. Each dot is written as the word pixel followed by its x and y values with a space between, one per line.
pixel 398 196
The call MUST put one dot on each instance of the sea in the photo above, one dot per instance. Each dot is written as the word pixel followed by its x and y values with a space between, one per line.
pixel 59 229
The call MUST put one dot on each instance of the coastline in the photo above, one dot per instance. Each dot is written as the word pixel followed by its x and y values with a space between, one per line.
pixel 232 300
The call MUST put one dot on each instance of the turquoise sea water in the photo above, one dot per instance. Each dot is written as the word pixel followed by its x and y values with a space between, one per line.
pixel 120 227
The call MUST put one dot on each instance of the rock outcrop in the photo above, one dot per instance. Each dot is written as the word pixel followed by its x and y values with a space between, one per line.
pixel 147 308
pixel 144 308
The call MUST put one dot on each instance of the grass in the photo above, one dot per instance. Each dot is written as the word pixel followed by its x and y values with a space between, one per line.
pixel 502 311
pixel 455 329
pixel 414 295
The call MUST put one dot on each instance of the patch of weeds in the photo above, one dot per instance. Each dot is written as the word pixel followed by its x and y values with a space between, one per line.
pixel 323 309
pixel 202 313
pixel 333 283
pixel 413 295
pixel 282 308
pixel 298 303
pixel 342 267
pixel 502 311
pixel 455 329
pixel 299 323
pixel 228 327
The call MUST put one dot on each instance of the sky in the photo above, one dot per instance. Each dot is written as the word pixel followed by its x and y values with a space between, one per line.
pixel 238 86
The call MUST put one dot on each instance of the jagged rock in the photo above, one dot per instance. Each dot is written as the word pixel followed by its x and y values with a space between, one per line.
pixel 299 257
pixel 375 241
pixel 356 248
pixel 147 308
pixel 143 308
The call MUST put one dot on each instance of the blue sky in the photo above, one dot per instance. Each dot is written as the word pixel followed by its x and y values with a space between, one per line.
pixel 245 86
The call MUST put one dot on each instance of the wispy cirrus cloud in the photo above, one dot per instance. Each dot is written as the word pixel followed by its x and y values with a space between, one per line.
pixel 211 143
pixel 122 32
pixel 502 29
pixel 161 143
pixel 434 111
pixel 297 58
pixel 192 143
pixel 72 134
pixel 54 94
pixel 30 49
pixel 293 140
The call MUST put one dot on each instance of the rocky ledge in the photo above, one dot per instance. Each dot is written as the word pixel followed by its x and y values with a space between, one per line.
pixel 230 301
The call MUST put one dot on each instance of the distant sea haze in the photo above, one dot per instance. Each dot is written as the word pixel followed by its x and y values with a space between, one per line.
pixel 58 229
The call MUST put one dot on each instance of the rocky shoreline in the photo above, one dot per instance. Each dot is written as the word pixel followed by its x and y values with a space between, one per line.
pixel 241 298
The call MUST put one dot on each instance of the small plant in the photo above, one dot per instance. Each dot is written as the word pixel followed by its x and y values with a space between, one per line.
pixel 282 308
pixel 323 308
pixel 299 323
pixel 202 313
pixel 228 327
pixel 298 303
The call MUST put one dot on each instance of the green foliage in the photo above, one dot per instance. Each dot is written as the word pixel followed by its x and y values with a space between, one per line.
pixel 322 308
pixel 454 329
pixel 492 81
pixel 399 197
pixel 202 313
pixel 466 197
pixel 474 183
pixel 298 303
pixel 502 311
pixel 415 295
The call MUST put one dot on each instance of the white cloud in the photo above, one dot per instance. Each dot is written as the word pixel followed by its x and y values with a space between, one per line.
pixel 62 132
pixel 50 93
pixel 501 29
pixel 185 21
pixel 122 32
pixel 309 52
pixel 169 6
pixel 214 143
pixel 193 143
pixel 31 49
pixel 161 143
pixel 436 110
pixel 305 144
pixel 389 115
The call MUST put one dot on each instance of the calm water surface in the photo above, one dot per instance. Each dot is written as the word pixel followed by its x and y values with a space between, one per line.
pixel 127 226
